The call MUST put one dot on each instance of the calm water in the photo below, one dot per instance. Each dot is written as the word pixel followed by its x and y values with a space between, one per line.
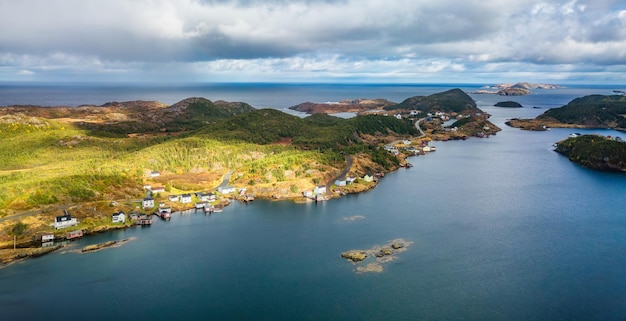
pixel 503 229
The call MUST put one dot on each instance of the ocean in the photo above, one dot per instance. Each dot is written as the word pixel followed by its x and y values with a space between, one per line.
pixel 502 228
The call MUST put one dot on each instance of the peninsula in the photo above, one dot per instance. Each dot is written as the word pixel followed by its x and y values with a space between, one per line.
pixel 143 157
pixel 593 111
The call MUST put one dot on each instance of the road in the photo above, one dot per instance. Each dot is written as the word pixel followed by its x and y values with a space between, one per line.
pixel 342 174
pixel 417 125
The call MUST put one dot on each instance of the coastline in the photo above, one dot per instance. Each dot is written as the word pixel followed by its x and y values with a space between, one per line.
pixel 95 216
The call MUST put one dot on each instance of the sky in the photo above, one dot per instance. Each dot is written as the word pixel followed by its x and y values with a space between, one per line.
pixel 332 41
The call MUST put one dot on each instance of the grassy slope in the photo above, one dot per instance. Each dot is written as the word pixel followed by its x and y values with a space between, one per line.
pixel 44 162
pixel 591 111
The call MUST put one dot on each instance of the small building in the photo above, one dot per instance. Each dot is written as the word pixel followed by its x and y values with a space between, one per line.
pixel 64 221
pixel 173 198
pixel 157 189
pixel 226 189
pixel 320 189
pixel 207 197
pixel 147 202
pixel 119 217
pixel 155 174
pixel 368 178
pixel 350 180
pixel 185 198
pixel 200 205
pixel 49 237
pixel 341 182
pixel 74 235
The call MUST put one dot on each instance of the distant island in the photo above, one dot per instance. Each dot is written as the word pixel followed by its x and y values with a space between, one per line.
pixel 144 157
pixel 593 111
pixel 508 104
pixel 517 89
pixel 594 151
pixel 344 106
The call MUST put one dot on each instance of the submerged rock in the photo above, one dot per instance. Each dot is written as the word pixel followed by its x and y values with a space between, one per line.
pixel 396 246
pixel 354 256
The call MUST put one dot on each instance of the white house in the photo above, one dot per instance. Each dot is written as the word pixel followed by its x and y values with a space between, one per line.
pixel 119 217
pixel 148 202
pixel 340 182
pixel 157 189
pixel 173 198
pixel 226 189
pixel 155 174
pixel 321 189
pixel 207 197
pixel 64 221
pixel 368 178
pixel 185 198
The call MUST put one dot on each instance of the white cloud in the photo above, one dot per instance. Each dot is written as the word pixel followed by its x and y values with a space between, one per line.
pixel 25 72
pixel 279 38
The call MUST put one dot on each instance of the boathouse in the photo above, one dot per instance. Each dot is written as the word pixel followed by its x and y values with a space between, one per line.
pixel 74 235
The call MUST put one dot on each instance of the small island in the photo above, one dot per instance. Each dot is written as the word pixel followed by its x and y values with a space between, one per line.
pixel 508 104
pixel 595 151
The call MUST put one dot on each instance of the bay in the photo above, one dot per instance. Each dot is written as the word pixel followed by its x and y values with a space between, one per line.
pixel 502 228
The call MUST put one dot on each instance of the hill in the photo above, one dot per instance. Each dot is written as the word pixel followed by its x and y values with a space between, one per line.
pixel 593 111
pixel 265 126
pixel 454 100
pixel 593 151
pixel 132 117
pixel 355 105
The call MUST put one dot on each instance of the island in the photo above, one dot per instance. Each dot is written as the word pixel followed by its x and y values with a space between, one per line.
pixel 517 89
pixel 70 171
pixel 344 106
pixel 595 151
pixel 508 104
pixel 593 111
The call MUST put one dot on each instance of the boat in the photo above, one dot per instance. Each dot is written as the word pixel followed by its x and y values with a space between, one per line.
pixel 574 135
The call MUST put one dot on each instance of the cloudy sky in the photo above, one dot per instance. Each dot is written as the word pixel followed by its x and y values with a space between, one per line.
pixel 375 41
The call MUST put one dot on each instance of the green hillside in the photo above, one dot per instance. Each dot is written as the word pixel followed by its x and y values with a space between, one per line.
pixel 266 126
pixel 44 161
pixel 595 151
pixel 453 100
pixel 591 111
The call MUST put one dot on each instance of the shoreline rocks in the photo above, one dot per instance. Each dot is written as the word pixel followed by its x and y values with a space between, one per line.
pixel 380 254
